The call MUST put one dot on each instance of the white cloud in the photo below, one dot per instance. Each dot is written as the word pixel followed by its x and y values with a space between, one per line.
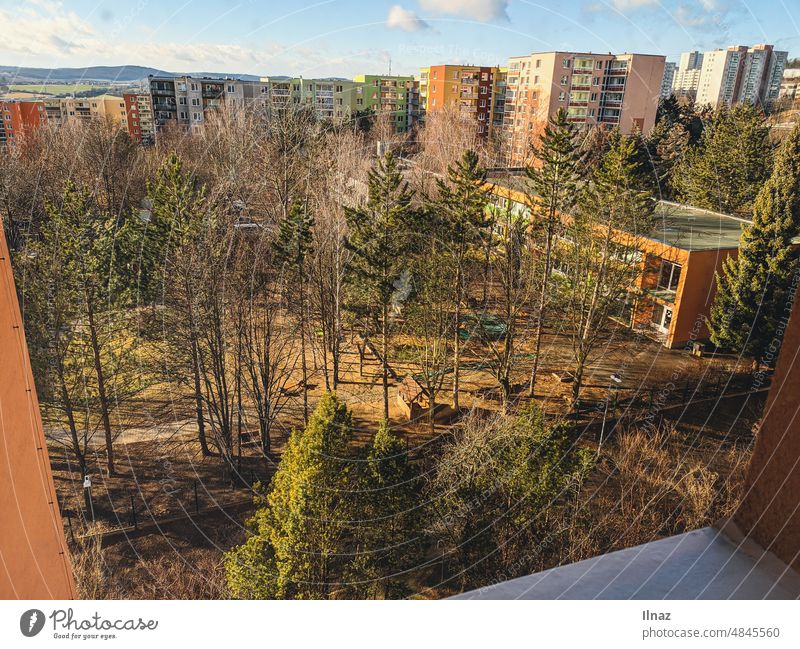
pixel 65 39
pixel 404 19
pixel 630 5
pixel 482 10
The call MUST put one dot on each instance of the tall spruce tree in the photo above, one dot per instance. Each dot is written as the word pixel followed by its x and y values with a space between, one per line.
pixel 461 209
pixel 173 210
pixel 381 237
pixel 553 184
pixel 297 536
pixel 292 249
pixel 728 167
pixel 600 265
pixel 755 289
pixel 388 533
pixel 176 211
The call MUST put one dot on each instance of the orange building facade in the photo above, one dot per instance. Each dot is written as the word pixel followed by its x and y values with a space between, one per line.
pixel 672 298
pixel 478 91
pixel 18 118
pixel 34 563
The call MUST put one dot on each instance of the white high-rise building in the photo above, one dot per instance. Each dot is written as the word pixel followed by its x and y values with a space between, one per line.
pixel 719 76
pixel 669 76
pixel 687 75
pixel 735 75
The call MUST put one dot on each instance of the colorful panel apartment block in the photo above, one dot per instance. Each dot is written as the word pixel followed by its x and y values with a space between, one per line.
pixel 388 95
pixel 139 110
pixel 614 90
pixel 18 118
pixel 478 91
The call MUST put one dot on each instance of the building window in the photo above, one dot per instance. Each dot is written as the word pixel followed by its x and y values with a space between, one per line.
pixel 196 117
pixel 538 63
pixel 564 80
pixel 596 81
pixel 566 63
pixel 561 96
pixel 669 276
pixel 231 89
pixel 182 101
pixel 194 87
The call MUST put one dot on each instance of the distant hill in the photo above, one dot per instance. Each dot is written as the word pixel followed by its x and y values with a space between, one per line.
pixel 104 73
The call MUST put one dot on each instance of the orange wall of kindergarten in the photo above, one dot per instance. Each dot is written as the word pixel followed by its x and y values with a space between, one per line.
pixel 33 552
pixel 695 296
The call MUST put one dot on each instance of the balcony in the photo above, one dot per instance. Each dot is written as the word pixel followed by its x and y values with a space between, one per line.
pixel 703 564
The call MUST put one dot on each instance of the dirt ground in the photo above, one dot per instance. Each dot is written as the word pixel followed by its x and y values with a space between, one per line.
pixel 170 501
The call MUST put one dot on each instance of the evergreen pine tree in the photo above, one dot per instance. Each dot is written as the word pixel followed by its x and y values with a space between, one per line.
pixel 553 186
pixel 388 533
pixel 297 536
pixel 755 289
pixel 381 237
pixel 597 282
pixel 733 159
pixel 171 214
pixel 461 210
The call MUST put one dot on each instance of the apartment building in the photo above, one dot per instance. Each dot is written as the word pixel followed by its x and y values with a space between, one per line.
pixel 139 111
pixel 686 80
pixel 678 259
pixel 474 89
pixel 761 74
pixel 670 68
pixel 789 84
pixel 26 115
pixel 719 76
pixel 184 101
pixel 18 118
pixel 108 107
pixel 619 90
pixel 386 95
pixel 730 76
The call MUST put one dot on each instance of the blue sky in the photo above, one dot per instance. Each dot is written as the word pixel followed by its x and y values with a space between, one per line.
pixel 346 37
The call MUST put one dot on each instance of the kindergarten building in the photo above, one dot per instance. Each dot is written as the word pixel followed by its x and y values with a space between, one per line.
pixel 672 298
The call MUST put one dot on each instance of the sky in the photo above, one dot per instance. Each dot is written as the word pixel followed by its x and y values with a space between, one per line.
pixel 318 38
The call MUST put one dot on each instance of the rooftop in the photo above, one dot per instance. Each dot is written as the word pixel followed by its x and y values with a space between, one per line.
pixel 690 228
pixel 680 226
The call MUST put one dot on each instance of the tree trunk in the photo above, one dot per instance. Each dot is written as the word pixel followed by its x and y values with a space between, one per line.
pixel 198 402
pixel 73 429
pixel 303 346
pixel 540 315
pixel 457 343
pixel 384 360
pixel 101 384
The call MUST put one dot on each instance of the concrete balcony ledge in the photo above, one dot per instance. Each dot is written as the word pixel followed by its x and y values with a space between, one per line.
pixel 708 563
